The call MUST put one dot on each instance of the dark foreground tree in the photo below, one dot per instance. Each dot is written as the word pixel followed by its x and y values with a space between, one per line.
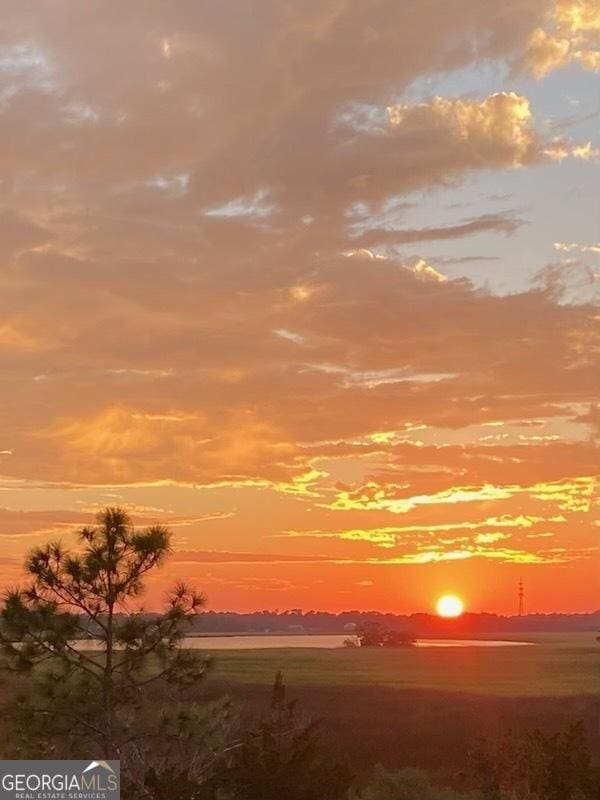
pixel 92 671
pixel 537 766
pixel 282 757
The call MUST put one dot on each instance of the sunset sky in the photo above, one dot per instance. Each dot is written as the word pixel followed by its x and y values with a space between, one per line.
pixel 314 283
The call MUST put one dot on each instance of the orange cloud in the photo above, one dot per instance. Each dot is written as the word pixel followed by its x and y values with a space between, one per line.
pixel 497 129
pixel 575 37
pixel 221 302
pixel 16 338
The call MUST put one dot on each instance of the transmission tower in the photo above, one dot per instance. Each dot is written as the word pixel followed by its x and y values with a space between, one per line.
pixel 521 597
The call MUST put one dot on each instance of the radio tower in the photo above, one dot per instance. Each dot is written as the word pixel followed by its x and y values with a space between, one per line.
pixel 521 597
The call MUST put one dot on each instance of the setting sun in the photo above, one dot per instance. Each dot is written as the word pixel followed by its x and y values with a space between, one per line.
pixel 450 606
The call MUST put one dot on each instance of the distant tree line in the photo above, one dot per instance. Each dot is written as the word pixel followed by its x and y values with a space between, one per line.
pixel 317 622
pixel 298 621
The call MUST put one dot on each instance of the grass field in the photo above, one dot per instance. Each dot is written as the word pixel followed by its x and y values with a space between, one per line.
pixel 425 707
pixel 556 665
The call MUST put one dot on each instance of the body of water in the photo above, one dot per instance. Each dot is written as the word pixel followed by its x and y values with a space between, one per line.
pixel 265 641
pixel 322 641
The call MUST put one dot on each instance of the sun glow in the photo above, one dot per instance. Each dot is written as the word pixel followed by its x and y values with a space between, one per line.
pixel 450 606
